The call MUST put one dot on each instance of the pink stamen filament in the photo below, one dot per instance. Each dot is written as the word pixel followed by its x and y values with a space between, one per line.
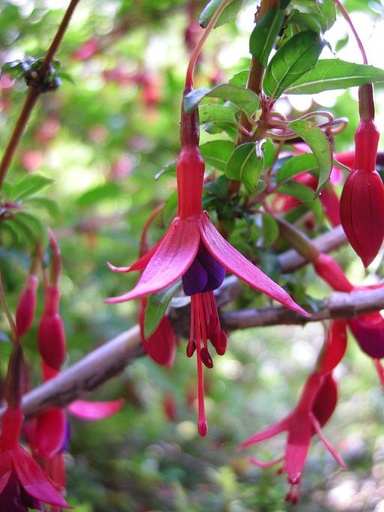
pixel 199 335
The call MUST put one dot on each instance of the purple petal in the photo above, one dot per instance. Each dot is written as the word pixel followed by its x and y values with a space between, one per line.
pixel 173 257
pixel 215 271
pixel 236 263
pixel 195 278
pixel 369 333
pixel 204 275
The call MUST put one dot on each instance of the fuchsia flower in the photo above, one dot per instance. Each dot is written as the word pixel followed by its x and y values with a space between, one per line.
pixel 362 199
pixel 368 329
pixel 315 407
pixel 23 484
pixel 194 251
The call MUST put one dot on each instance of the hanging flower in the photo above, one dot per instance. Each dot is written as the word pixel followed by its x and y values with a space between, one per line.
pixel 23 484
pixel 316 405
pixel 194 251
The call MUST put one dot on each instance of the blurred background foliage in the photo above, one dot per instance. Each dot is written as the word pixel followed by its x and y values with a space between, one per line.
pixel 102 138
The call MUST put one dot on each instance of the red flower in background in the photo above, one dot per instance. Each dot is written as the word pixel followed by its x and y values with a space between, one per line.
pixel 317 402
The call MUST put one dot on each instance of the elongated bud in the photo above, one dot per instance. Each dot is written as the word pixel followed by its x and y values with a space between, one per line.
pixel 330 271
pixel 26 307
pixel 362 199
pixel 51 333
pixel 362 213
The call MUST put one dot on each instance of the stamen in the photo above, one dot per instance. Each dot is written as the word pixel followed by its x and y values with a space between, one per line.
pixel 206 358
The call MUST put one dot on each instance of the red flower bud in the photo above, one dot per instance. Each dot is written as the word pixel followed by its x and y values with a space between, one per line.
pixel 330 271
pixel 362 213
pixel 368 331
pixel 51 334
pixel 26 307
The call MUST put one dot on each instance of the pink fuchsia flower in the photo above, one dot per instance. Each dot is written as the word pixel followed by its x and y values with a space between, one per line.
pixel 23 484
pixel 316 405
pixel 194 251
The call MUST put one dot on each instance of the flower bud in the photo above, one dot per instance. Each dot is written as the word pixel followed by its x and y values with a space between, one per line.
pixel 362 213
pixel 51 333
pixel 329 270
pixel 26 307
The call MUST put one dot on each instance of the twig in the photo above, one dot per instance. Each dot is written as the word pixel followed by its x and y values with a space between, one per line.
pixel 33 95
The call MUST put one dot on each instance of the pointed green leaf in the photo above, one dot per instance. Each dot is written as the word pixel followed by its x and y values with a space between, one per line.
pixel 291 61
pixel 229 13
pixel 305 162
pixel 330 74
pixel 156 308
pixel 264 35
pixel 269 231
pixel 34 228
pixel 44 202
pixel 246 100
pixel 320 146
pixel 245 165
pixel 210 113
pixel 216 153
pixel 28 186
pixel 99 193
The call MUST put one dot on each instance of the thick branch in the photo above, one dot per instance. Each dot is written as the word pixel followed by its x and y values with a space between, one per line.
pixel 110 359
pixel 93 370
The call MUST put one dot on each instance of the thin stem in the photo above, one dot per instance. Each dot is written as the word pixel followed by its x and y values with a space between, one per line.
pixel 347 18
pixel 199 45
pixel 33 95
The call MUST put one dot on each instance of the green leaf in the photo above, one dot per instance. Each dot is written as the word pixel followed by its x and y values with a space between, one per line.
pixel 100 193
pixel 305 162
pixel 210 113
pixel 229 13
pixel 320 146
pixel 44 202
pixel 240 79
pixel 28 186
pixel 245 99
pixel 216 153
pixel 264 35
pixel 330 74
pixel 269 231
pixel 156 308
pixel 34 229
pixel 291 61
pixel 244 165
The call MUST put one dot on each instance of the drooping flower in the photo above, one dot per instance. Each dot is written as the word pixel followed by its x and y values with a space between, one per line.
pixel 317 402
pixel 23 484
pixel 367 329
pixel 194 251
pixel 362 198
